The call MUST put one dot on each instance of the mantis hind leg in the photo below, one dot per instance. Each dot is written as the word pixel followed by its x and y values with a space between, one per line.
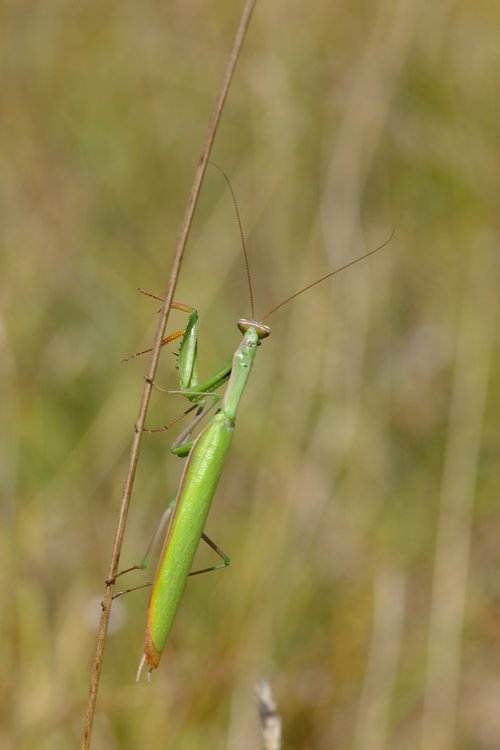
pixel 147 557
pixel 226 560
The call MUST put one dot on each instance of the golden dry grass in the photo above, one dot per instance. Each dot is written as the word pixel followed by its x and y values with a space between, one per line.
pixel 359 504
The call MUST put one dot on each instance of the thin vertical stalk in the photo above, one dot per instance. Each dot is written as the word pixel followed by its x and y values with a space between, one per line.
pixel 162 323
pixel 270 721
pixel 475 347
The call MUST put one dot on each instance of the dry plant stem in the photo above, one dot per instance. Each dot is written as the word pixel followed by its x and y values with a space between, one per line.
pixel 270 722
pixel 448 615
pixel 136 443
pixel 372 726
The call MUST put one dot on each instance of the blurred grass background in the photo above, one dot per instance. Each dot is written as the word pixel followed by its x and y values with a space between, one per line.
pixel 359 504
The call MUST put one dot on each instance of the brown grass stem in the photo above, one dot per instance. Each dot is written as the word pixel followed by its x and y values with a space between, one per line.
pixel 162 323
pixel 270 721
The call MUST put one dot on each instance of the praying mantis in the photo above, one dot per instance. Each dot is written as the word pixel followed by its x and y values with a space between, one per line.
pixel 206 454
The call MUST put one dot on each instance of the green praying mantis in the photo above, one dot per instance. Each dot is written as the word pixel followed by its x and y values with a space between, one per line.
pixel 185 517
